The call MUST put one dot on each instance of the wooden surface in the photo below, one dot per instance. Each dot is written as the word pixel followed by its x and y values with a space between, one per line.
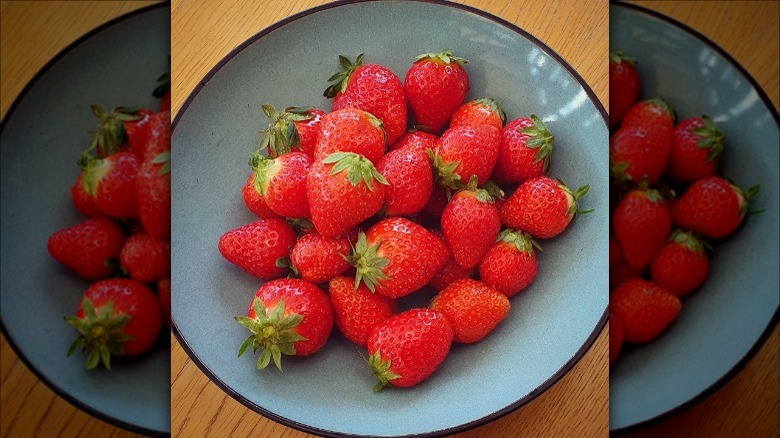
pixel 748 405
pixel 32 33
pixel 204 31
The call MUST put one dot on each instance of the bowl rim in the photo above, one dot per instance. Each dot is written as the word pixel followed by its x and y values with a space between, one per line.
pixel 598 328
pixel 8 337
pixel 767 332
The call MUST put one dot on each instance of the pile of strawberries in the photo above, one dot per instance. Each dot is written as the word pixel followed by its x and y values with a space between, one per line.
pixel 357 213
pixel 124 189
pixel 670 206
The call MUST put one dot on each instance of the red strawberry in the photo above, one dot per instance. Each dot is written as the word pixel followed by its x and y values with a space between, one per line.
pixel 650 112
pixel 622 272
pixel 408 172
pixel 616 337
pixel 111 181
pixel 146 258
pixel 281 181
pixel 293 129
pixel 164 294
pixel 697 145
pixel 436 85
pixel 470 224
pixel 484 111
pixel 472 307
pixel 372 88
pixel 644 309
pixel 287 316
pixel 510 265
pixel 407 348
pixel 526 147
pixel 138 131
pixel 83 201
pixel 416 139
pixel 343 190
pixel 153 194
pixel 640 151
pixel 119 317
pixel 256 247
pixel 397 257
pixel 451 271
pixel 254 201
pixel 158 136
pixel 615 254
pixel 437 202
pixel 463 151
pixel 351 130
pixel 712 206
pixel 642 221
pixel 318 259
pixel 624 85
pixel 90 248
pixel 542 207
pixel 682 264
pixel 165 102
pixel 358 311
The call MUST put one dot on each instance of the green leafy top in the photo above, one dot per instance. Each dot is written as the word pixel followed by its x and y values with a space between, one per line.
pixel 273 333
pixel 493 105
pixel 575 197
pixel 692 241
pixel 341 78
pixel 281 135
pixel 541 138
pixel 446 175
pixel 618 57
pixel 369 265
pixel 446 56
pixel 164 160
pixel 110 133
pixel 710 137
pixel 358 168
pixel 381 370
pixel 102 334
pixel 521 240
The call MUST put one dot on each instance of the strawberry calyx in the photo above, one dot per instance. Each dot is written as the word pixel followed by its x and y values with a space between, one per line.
pixel 541 138
pixel 341 79
pixel 484 196
pixel 710 137
pixel 745 196
pixel 574 197
pixel 381 370
pixel 519 239
pixel 273 333
pixel 369 264
pixel 94 168
pixel 164 160
pixel 445 56
pixel 492 105
pixel 164 85
pixel 301 226
pixel 663 106
pixel 285 262
pixel 110 133
pixel 358 168
pixel 445 172
pixel 281 135
pixel 265 169
pixel 690 240
pixel 102 334
pixel 619 57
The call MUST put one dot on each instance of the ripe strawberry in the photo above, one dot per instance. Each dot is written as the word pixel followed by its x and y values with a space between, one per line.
pixel 510 265
pixel 713 206
pixel 111 181
pixel 293 129
pixel 697 145
pixel 526 147
pixel 470 224
pixel 164 295
pixel 90 248
pixel 397 257
pixel 84 202
pixel 254 201
pixel 287 316
pixel 153 194
pixel 256 247
pixel 119 317
pixel 472 307
pixel 407 348
pixel 372 88
pixel 138 131
pixel 146 258
pixel 343 190
pixel 682 264
pixel 318 259
pixel 644 309
pixel 158 136
pixel 642 221
pixel 622 272
pixel 484 111
pixel 624 85
pixel 615 254
pixel 351 130
pixel 463 151
pixel 616 337
pixel 640 151
pixel 417 140
pixel 410 177
pixel 451 271
pixel 281 181
pixel 165 102
pixel 650 112
pixel 436 85
pixel 358 311
pixel 437 202
pixel 542 207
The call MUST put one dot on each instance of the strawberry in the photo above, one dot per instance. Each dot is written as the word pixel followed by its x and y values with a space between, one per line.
pixel 90 248
pixel 397 257
pixel 713 206
pixel 650 112
pixel 484 111
pixel 408 172
pixel 254 201
pixel 640 151
pixel 472 307
pixel 109 136
pixel 287 316
pixel 409 347
pixel 256 247
pixel 697 145
pixel 159 135
pixel 164 294
pixel 621 272
pixel 153 194
pixel 317 259
pixel 616 337
pixel 372 88
pixel 463 151
pixel 644 309
pixel 615 254
pixel 542 207
pixel 624 86
pixel 526 147
pixel 343 190
pixel 84 202
pixel 510 265
pixel 146 258
pixel 351 130
pixel 165 102
pixel 111 181
pixel 437 202
pixel 451 271
pixel 470 224
pixel 415 139
pixel 138 131
pixel 358 311
pixel 293 129
pixel 642 221
pixel 682 264
pixel 119 317
pixel 436 85
pixel 281 181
